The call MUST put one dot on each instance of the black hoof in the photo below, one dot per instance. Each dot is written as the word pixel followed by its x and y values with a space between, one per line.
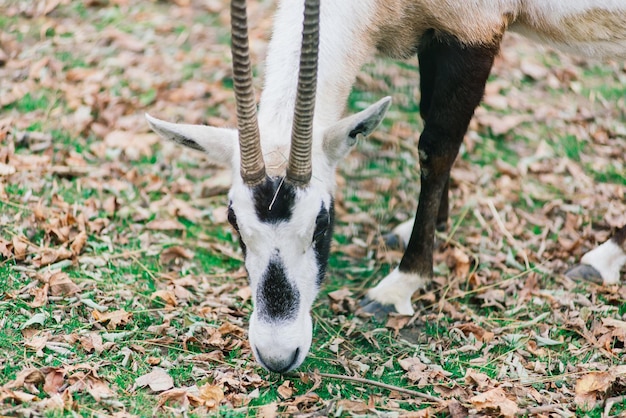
pixel 375 308
pixel 584 272
pixel 393 241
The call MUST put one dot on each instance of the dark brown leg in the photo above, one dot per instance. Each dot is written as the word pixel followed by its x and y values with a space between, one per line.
pixel 453 82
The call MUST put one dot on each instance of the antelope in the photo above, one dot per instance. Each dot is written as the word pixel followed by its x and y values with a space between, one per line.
pixel 284 158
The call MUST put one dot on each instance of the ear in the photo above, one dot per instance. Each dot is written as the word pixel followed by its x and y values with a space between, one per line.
pixel 342 136
pixel 219 144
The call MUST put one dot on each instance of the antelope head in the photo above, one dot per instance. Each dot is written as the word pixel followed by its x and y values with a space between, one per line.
pixel 283 216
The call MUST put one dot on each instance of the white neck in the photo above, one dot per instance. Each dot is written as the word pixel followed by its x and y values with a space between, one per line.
pixel 344 47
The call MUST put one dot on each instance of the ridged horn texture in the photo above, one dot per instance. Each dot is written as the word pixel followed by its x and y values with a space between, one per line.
pixel 300 169
pixel 252 165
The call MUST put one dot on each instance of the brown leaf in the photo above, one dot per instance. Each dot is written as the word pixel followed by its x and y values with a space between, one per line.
pixel 28 376
pixel 217 184
pixel 92 342
pixel 40 296
pixel 456 409
pixel 397 322
pixel 166 296
pixel 459 262
pixel 110 205
pixel 55 380
pixel 99 389
pixel 480 333
pixel 228 328
pixel 114 319
pixel 165 225
pixel 495 400
pixel 157 379
pixel 78 243
pixel 356 407
pixel 590 385
pixel 416 370
pixel 285 390
pixel 211 395
pixel 18 395
pixel 20 248
pixel 37 341
pixel 62 285
pixel 173 253
pixel 480 380
pixel 133 144
pixel 182 396
pixel 51 255
pixel 342 301
pixel 268 411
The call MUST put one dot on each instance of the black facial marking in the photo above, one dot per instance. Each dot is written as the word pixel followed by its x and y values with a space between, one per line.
pixel 279 299
pixel 232 219
pixel 322 239
pixel 274 200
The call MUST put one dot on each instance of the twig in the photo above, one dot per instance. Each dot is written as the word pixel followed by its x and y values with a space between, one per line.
pixel 381 385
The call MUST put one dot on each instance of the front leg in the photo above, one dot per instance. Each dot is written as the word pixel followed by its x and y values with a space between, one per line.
pixel 453 82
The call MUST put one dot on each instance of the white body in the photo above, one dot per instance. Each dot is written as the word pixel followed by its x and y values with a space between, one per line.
pixel 351 32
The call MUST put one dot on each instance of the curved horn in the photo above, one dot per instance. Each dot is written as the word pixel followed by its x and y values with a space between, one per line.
pixel 252 165
pixel 300 169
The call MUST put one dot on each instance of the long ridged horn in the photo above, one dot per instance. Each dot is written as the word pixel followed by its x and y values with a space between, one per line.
pixel 252 165
pixel 300 169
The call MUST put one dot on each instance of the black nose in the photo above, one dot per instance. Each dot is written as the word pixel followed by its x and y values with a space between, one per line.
pixel 276 364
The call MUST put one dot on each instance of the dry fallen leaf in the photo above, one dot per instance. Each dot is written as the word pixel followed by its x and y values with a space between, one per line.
pixel 62 285
pixel 166 296
pixel 480 333
pixel 165 225
pixel 158 380
pixel 211 395
pixel 285 390
pixel 79 242
pixel 589 386
pixel 172 253
pixel 20 248
pixel 268 411
pixel 114 319
pixel 416 370
pixel 92 342
pixel 55 379
pixel 495 400
pixel 40 296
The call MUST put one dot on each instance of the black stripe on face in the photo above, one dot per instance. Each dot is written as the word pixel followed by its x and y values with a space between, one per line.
pixel 278 299
pixel 274 200
pixel 322 239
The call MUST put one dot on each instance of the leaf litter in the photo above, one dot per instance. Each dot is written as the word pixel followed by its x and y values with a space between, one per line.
pixel 103 264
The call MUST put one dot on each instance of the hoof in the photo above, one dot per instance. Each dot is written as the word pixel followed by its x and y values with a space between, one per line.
pixel 375 308
pixel 584 272
pixel 393 241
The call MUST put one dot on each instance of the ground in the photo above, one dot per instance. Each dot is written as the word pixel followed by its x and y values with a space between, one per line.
pixel 122 290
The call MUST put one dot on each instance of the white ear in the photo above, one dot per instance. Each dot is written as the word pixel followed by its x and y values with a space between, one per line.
pixel 342 136
pixel 219 144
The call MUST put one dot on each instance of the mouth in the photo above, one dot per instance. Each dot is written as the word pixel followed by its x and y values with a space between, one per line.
pixel 280 367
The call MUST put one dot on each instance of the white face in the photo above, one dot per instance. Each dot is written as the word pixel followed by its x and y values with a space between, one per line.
pixel 285 231
pixel 285 234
